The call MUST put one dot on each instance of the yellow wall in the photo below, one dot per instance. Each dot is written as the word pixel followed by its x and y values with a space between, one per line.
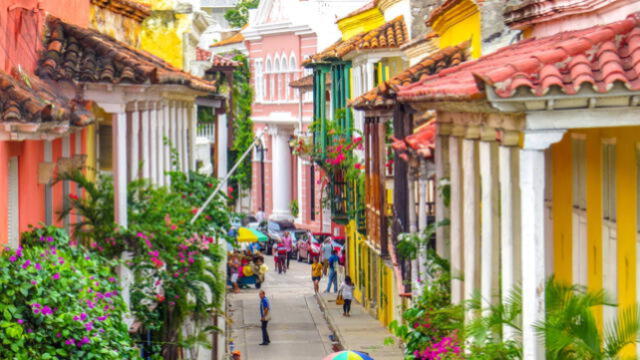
pixel 626 197
pixel 162 36
pixel 461 23
pixel 562 209
pixel 359 23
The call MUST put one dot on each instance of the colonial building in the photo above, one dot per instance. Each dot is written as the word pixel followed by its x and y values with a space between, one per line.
pixel 539 140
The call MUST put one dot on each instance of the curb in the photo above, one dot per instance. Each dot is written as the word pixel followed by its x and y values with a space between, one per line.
pixel 323 307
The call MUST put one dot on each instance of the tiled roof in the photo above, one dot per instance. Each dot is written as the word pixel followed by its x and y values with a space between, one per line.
pixel 303 82
pixel 529 12
pixel 596 57
pixel 421 142
pixel 370 5
pixel 442 9
pixel 126 8
pixel 31 101
pixel 215 59
pixel 384 94
pixel 235 39
pixel 307 81
pixel 77 54
pixel 392 34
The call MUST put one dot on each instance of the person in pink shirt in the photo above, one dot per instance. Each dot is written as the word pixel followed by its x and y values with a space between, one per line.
pixel 288 243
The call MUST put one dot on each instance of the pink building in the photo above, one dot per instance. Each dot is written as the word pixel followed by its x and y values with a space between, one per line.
pixel 278 38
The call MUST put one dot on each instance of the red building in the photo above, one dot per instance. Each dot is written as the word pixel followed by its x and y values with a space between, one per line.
pixel 39 130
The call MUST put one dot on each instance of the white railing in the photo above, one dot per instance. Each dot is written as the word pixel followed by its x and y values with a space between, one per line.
pixel 207 131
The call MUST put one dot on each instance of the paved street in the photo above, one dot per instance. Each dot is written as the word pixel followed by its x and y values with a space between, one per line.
pixel 298 329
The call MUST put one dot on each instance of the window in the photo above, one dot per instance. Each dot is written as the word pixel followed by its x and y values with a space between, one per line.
pixel 285 79
pixel 13 210
pixel 609 230
pixel 579 215
pixel 268 86
pixel 275 86
pixel 293 69
pixel 259 79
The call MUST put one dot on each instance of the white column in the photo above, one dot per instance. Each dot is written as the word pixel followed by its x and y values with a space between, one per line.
pixel 145 144
pixel 166 151
pixel 532 237
pixel 186 128
pixel 489 275
pixel 281 175
pixel 470 221
pixel 134 149
pixel 120 167
pixel 222 144
pixel 507 248
pixel 440 158
pixel 422 222
pixel 153 142
pixel 179 121
pixel 456 220
pixel 173 132
pixel 193 134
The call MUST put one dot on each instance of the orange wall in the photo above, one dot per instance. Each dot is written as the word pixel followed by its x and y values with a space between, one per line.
pixel 4 161
pixel 31 194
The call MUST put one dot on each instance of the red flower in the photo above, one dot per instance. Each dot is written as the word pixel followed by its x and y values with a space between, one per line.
pixel 73 196
pixel 194 210
pixel 160 298
pixel 157 262
pixel 210 185
pixel 358 166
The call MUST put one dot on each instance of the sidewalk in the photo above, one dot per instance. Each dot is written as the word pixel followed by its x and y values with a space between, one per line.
pixel 360 331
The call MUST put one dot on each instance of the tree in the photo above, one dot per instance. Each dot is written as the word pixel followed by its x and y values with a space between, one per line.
pixel 239 16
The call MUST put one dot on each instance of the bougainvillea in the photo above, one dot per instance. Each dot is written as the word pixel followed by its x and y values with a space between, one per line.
pixel 59 302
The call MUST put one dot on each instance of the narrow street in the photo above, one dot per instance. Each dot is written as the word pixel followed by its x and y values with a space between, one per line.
pixel 298 329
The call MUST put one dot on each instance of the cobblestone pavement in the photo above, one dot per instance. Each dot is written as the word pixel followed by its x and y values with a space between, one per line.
pixel 298 329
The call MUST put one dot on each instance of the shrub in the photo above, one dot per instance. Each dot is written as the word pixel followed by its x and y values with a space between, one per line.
pixel 59 302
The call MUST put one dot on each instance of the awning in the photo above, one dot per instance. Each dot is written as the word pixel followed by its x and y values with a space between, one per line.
pixel 250 235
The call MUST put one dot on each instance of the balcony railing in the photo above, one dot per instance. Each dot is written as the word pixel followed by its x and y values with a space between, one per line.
pixel 207 131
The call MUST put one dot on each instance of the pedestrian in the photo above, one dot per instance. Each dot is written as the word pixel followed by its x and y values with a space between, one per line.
pixel 265 316
pixel 316 274
pixel 235 355
pixel 346 289
pixel 281 255
pixel 288 244
pixel 333 274
pixel 234 265
pixel 327 250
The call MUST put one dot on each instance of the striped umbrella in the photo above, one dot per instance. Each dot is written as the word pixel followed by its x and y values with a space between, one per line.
pixel 348 355
pixel 250 235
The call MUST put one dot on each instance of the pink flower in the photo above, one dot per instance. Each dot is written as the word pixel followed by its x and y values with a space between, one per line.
pixel 33 282
pixel 26 264
pixel 174 227
pixel 70 342
pixel 12 258
pixel 38 266
pixel 112 279
pixel 20 321
pixel 55 276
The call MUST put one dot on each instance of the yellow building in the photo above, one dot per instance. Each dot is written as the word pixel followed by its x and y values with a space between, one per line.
pixel 540 142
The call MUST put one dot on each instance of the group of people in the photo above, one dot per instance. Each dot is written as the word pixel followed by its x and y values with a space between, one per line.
pixel 245 265
pixel 329 264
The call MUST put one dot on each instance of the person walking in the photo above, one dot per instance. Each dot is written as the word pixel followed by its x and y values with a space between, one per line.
pixel 347 294
pixel 265 316
pixel 288 244
pixel 333 274
pixel 327 250
pixel 281 255
pixel 316 274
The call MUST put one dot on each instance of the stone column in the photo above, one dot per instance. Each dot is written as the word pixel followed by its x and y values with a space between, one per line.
pixel 281 175
pixel 168 130
pixel 532 236
pixel 144 143
pixel 470 213
pixel 186 129
pixel 507 224
pixel 119 125
pixel 162 121
pixel 456 218
pixel 134 150
pixel 413 226
pixel 489 241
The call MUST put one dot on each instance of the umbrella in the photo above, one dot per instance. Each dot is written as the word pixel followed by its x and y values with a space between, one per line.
pixel 250 235
pixel 348 355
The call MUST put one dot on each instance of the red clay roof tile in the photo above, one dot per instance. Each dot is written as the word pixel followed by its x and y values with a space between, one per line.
pixel 598 56
pixel 384 94
pixel 215 59
pixel 128 8
pixel 30 100
pixel 529 12
pixel 391 34
pixel 74 53
pixel 422 142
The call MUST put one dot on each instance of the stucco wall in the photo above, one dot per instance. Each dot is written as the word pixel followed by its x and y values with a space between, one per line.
pixel 119 27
